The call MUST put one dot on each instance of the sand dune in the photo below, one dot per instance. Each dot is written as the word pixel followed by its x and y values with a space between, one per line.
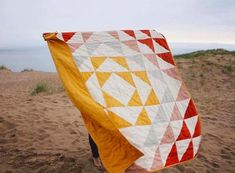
pixel 45 133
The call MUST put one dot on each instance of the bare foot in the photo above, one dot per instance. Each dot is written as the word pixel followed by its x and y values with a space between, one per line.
pixel 98 163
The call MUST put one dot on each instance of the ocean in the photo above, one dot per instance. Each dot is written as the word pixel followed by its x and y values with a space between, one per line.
pixel 39 58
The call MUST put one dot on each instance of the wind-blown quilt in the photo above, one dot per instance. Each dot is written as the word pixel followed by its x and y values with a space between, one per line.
pixel 131 97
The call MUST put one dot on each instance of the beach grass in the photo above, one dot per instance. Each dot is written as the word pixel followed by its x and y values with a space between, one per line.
pixel 2 67
pixel 39 88
pixel 205 53
pixel 27 70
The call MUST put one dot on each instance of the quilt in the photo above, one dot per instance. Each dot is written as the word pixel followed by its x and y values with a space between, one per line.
pixel 131 97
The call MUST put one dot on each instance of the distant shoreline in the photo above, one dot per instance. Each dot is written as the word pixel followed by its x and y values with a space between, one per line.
pixel 39 59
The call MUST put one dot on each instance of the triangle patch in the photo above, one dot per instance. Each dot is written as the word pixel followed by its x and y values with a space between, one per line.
pixel 86 75
pixel 152 58
pixel 148 42
pixel 119 122
pixel 152 99
pixel 121 61
pixel 142 75
pixel 67 35
pixel 176 114
pixel 102 77
pixel 110 101
pixel 143 119
pixel 173 156
pixel 135 100
pixel 157 161
pixel 97 61
pixel 182 147
pixel 189 153
pixel 130 33
pixel 183 94
pixel 168 136
pixel 191 110
pixel 184 134
pixel 86 35
pixel 166 57
pixel 197 131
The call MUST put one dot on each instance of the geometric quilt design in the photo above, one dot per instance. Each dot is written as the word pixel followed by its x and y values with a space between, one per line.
pixel 132 75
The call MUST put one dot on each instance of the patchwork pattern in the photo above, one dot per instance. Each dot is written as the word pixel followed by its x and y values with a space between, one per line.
pixel 132 75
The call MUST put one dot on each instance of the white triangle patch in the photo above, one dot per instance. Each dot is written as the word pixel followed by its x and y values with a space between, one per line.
pixel 129 113
pixel 182 146
pixel 191 123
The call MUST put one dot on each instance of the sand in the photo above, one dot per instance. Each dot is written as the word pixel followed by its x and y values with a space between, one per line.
pixel 45 133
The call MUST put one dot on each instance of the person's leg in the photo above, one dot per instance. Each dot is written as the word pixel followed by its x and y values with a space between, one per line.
pixel 95 153
pixel 94 148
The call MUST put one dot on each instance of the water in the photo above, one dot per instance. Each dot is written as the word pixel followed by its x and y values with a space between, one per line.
pixel 39 58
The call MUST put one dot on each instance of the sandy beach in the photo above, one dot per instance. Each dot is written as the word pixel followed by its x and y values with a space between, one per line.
pixel 44 133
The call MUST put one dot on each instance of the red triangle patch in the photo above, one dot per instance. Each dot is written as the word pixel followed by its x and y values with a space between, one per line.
pixel 184 134
pixel 191 110
pixel 148 42
pixel 189 153
pixel 130 33
pixel 147 32
pixel 172 157
pixel 162 42
pixel 197 131
pixel 67 35
pixel 166 57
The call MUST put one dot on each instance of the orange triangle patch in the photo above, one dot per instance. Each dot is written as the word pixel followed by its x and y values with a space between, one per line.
pixel 110 101
pixel 135 100
pixel 127 77
pixel 143 119
pixel 152 99
pixel 121 61
pixel 102 77
pixel 119 122
pixel 142 75
pixel 86 75
pixel 97 61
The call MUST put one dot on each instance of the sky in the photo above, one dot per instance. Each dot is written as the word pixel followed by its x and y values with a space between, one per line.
pixel 196 21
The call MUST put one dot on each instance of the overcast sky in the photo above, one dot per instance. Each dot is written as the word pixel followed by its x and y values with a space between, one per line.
pixel 22 22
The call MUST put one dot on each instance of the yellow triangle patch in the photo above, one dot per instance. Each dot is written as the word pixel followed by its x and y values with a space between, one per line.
pixel 135 100
pixel 102 77
pixel 121 61
pixel 127 77
pixel 119 122
pixel 86 75
pixel 110 101
pixel 142 75
pixel 152 99
pixel 97 61
pixel 143 119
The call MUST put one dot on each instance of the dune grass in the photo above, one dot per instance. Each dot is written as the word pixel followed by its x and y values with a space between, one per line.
pixel 2 67
pixel 205 53
pixel 39 88
pixel 27 70
pixel 47 87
